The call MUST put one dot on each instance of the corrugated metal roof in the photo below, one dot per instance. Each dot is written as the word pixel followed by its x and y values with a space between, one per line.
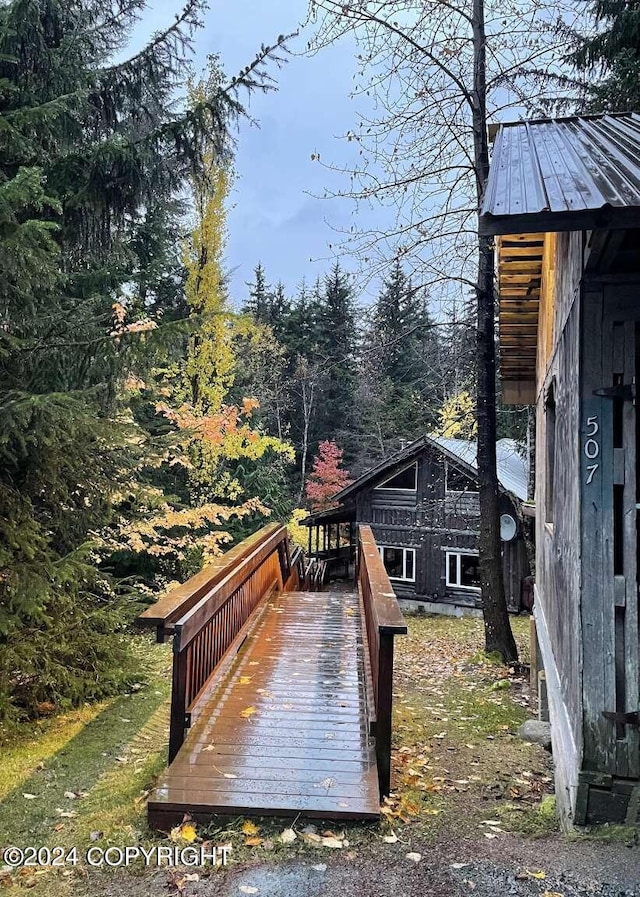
pixel 564 174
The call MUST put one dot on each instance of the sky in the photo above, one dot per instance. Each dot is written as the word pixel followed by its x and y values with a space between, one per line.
pixel 277 216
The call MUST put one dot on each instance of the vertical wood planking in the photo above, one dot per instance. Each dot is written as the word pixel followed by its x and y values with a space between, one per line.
pixel 632 740
pixel 597 551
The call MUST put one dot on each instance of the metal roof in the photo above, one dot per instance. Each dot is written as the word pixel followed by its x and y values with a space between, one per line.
pixel 513 467
pixel 576 173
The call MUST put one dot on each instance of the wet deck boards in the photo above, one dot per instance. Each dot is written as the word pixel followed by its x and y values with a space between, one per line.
pixel 285 729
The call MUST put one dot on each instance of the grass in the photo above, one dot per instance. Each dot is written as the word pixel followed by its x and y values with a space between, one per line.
pixel 457 761
pixel 458 758
pixel 84 771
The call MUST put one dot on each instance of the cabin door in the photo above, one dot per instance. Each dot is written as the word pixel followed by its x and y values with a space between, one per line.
pixel 610 453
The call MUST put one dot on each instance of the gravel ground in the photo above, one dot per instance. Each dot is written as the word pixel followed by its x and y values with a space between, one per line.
pixel 507 867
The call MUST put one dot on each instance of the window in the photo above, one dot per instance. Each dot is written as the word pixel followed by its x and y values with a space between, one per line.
pixel 406 479
pixel 400 563
pixel 458 481
pixel 550 452
pixel 463 570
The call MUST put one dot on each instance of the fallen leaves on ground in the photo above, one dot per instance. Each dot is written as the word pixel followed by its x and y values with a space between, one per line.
pixel 186 832
pixel 288 836
pixel 247 712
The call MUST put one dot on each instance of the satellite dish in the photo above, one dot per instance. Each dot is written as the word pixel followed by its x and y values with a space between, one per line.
pixel 508 527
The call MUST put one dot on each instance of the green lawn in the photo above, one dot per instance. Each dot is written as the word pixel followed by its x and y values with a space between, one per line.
pixel 82 778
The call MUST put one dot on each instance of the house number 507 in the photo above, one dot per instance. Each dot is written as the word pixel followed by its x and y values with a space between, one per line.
pixel 592 446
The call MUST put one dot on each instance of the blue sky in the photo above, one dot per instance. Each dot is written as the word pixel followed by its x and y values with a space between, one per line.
pixel 276 218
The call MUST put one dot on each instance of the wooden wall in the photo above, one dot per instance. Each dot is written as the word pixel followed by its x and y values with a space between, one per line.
pixel 557 604
pixel 432 520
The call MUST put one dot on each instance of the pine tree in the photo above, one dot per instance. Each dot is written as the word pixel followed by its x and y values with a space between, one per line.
pixel 93 155
pixel 612 57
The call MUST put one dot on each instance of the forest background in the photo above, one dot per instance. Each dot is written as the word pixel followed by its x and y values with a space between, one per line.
pixel 146 423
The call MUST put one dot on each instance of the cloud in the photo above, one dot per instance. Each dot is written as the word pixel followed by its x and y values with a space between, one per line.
pixel 274 219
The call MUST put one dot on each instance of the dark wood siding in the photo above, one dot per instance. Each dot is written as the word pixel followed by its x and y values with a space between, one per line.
pixel 431 520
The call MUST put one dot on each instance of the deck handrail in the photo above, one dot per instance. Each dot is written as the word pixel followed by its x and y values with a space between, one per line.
pixel 213 618
pixel 383 621
pixel 174 604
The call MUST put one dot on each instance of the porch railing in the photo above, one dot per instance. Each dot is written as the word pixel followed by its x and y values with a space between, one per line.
pixel 383 622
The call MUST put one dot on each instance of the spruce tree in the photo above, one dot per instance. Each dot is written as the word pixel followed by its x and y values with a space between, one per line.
pixel 257 305
pixel 336 351
pixel 400 366
pixel 93 154
pixel 612 57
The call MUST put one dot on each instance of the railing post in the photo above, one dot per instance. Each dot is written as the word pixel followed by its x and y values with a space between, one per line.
pixel 284 560
pixel 384 712
pixel 178 700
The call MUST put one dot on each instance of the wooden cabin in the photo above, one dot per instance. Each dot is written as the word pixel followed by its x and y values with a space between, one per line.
pixel 423 506
pixel 563 200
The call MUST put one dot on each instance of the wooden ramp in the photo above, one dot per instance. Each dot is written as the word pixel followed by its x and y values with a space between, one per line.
pixel 285 729
pixel 281 699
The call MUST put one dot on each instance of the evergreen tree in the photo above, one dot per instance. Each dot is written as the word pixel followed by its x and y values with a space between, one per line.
pixel 335 349
pixel 93 155
pixel 257 305
pixel 401 382
pixel 612 57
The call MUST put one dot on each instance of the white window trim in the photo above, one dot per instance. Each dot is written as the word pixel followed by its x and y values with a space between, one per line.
pixel 395 488
pixel 456 491
pixel 404 550
pixel 459 553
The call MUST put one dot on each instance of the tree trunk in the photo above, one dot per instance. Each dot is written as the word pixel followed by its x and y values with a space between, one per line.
pixel 498 634
pixel 308 389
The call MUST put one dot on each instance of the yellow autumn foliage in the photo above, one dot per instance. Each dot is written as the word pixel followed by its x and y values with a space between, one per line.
pixel 211 431
pixel 458 417
pixel 299 533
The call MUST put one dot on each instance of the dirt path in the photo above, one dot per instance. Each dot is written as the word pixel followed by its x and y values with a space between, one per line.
pixel 510 869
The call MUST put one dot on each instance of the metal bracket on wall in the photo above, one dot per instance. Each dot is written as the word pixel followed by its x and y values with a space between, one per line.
pixel 624 391
pixel 625 719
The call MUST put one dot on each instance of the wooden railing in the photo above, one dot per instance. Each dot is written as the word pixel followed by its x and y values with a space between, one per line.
pixel 315 574
pixel 383 621
pixel 213 614
pixel 167 610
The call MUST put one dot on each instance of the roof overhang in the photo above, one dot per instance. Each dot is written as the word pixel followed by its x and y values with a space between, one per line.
pixel 575 174
pixel 570 174
pixel 520 263
pixel 337 514
pixel 605 218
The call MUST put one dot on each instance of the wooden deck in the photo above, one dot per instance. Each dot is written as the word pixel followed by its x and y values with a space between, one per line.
pixel 284 728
